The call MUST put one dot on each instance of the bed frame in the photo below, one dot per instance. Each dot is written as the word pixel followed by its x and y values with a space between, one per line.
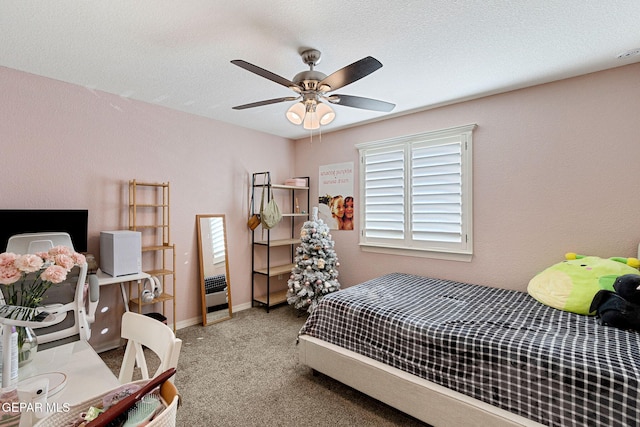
pixel 415 396
pixel 216 298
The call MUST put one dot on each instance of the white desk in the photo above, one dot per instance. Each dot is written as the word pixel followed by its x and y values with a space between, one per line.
pixel 87 375
pixel 104 279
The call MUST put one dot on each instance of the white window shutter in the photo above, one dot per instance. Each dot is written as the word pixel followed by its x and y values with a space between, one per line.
pixel 217 237
pixel 417 194
pixel 436 193
pixel 384 194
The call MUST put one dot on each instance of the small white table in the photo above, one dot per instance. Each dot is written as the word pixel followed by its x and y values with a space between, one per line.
pixel 104 279
pixel 86 373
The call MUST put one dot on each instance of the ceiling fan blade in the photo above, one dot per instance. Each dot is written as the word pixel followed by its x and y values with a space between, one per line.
pixel 264 73
pixel 265 102
pixel 351 73
pixel 359 102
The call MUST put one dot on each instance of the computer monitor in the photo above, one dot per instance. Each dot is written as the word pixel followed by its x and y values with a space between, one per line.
pixel 18 221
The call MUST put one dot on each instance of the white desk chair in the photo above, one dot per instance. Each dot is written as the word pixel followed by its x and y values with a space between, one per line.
pixel 69 294
pixel 141 330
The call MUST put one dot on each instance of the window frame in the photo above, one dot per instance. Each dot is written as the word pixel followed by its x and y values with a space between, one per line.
pixel 458 251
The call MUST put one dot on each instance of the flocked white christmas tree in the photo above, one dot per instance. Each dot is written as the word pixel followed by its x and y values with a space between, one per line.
pixel 315 273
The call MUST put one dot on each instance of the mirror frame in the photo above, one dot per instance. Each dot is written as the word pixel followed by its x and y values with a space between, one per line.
pixel 205 321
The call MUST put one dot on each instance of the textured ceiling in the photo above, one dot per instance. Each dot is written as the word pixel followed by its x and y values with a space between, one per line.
pixel 176 53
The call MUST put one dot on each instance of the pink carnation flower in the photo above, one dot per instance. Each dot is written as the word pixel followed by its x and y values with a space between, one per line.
pixel 60 250
pixel 7 259
pixel 9 274
pixel 54 274
pixel 79 259
pixel 64 261
pixel 28 263
pixel 44 255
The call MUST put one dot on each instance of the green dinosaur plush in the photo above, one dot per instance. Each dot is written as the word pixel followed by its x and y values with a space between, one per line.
pixel 571 285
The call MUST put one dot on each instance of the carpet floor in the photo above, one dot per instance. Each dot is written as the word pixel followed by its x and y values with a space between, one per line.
pixel 245 372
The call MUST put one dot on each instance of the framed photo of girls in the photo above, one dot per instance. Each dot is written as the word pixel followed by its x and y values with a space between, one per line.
pixel 336 202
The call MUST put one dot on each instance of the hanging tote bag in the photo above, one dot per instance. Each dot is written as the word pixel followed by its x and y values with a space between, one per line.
pixel 270 215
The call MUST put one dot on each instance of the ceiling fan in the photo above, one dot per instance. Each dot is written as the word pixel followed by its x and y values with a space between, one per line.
pixel 312 88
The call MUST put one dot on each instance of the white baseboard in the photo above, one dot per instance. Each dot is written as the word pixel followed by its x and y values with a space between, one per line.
pixel 240 307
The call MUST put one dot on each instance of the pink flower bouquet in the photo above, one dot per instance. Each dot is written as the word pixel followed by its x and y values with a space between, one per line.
pixel 28 277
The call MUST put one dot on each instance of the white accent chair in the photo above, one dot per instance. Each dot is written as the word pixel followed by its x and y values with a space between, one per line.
pixel 141 330
pixel 73 288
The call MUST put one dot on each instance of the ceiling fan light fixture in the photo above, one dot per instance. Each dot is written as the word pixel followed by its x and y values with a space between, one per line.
pixel 311 114
pixel 325 113
pixel 311 121
pixel 296 113
pixel 312 87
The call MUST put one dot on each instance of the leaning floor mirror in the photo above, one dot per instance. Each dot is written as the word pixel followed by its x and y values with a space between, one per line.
pixel 214 268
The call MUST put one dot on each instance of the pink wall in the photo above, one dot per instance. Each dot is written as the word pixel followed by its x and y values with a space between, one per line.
pixel 64 146
pixel 555 168
pixel 555 171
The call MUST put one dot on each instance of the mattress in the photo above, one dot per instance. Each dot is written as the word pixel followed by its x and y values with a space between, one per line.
pixel 498 346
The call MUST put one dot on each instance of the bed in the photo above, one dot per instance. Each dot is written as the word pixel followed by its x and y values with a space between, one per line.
pixel 451 353
pixel 215 290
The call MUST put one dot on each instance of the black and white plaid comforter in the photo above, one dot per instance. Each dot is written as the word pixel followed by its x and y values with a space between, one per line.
pixel 499 346
pixel 215 283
